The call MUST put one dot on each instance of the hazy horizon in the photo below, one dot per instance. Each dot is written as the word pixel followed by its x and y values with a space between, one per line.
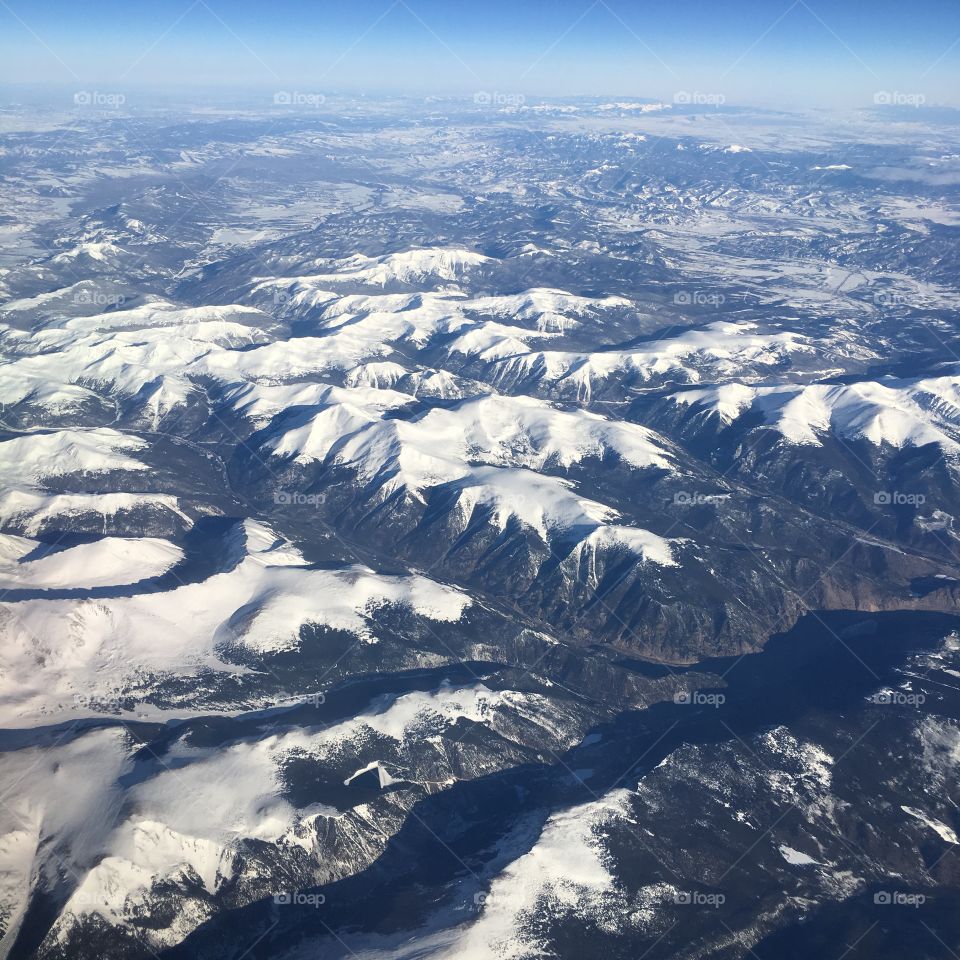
pixel 755 53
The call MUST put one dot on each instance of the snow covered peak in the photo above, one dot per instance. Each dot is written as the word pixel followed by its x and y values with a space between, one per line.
pixel 406 267
pixel 27 460
pixel 895 413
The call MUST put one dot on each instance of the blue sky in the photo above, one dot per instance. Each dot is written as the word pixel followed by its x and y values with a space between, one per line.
pixel 753 51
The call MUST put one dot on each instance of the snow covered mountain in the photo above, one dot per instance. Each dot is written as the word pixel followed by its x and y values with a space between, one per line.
pixel 522 538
